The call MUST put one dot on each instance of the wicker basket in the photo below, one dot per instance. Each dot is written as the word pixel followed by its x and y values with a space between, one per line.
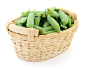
pixel 30 46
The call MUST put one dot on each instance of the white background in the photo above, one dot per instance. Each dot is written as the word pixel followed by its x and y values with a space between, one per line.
pixel 73 59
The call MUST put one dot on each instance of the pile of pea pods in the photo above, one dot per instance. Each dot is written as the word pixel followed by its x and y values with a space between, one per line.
pixel 47 21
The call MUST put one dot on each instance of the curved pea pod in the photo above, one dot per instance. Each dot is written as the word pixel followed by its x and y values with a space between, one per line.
pixel 54 14
pixel 24 14
pixel 30 20
pixel 63 27
pixel 73 24
pixel 46 23
pixel 52 31
pixel 69 21
pixel 16 23
pixel 48 28
pixel 53 23
pixel 63 17
pixel 21 25
pixel 37 21
pixel 40 13
pixel 23 20
pixel 41 30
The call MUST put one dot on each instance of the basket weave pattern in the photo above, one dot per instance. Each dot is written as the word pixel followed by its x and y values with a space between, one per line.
pixel 44 47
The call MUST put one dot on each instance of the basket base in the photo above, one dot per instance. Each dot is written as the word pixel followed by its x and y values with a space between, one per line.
pixel 42 59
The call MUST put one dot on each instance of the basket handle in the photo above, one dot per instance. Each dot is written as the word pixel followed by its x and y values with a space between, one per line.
pixel 30 32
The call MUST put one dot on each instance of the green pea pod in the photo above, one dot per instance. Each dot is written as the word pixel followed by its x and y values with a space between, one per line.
pixel 16 23
pixel 40 13
pixel 30 20
pixel 53 23
pixel 52 31
pixel 63 27
pixel 23 20
pixel 48 28
pixel 73 24
pixel 54 14
pixel 37 21
pixel 63 17
pixel 69 21
pixel 21 25
pixel 24 14
pixel 46 23
pixel 41 30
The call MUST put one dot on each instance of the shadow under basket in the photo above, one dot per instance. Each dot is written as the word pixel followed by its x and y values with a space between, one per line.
pixel 30 46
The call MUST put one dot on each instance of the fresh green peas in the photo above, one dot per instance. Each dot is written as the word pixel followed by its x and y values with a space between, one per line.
pixel 48 28
pixel 53 13
pixel 69 21
pixel 23 20
pixel 63 27
pixel 21 25
pixel 73 24
pixel 24 14
pixel 46 23
pixel 16 23
pixel 53 23
pixel 41 30
pixel 30 20
pixel 37 21
pixel 40 13
pixel 52 31
pixel 63 17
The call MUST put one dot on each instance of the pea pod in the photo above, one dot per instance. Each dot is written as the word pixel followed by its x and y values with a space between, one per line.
pixel 37 21
pixel 40 13
pixel 41 30
pixel 16 23
pixel 24 14
pixel 53 13
pixel 48 28
pixel 53 23
pixel 63 17
pixel 46 23
pixel 52 31
pixel 69 21
pixel 23 20
pixel 73 24
pixel 63 27
pixel 30 20
pixel 21 25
